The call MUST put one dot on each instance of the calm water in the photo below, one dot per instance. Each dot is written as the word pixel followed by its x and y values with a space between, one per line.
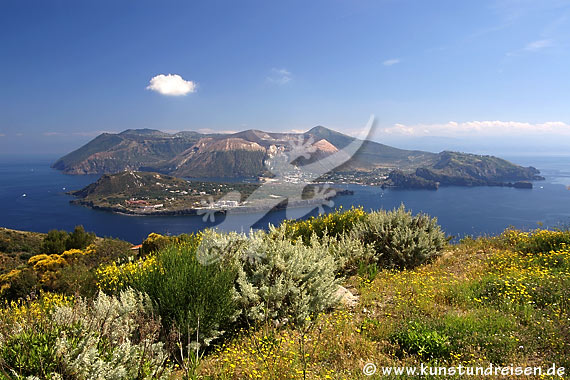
pixel 461 211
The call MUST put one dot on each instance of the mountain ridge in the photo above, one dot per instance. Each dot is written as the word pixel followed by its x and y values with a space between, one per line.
pixel 242 154
pixel 149 149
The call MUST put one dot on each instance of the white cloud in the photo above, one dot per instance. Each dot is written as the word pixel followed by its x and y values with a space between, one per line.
pixel 533 47
pixel 279 76
pixel 171 85
pixel 538 45
pixel 390 62
pixel 478 128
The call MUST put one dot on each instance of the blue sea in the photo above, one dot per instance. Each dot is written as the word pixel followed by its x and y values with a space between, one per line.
pixel 32 198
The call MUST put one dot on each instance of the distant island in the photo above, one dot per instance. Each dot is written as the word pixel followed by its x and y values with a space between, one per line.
pixel 148 193
pixel 244 154
pixel 451 169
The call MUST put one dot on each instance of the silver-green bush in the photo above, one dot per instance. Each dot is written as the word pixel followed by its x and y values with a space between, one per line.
pixel 283 280
pixel 107 338
pixel 278 279
pixel 400 240
pixel 111 338
pixel 348 252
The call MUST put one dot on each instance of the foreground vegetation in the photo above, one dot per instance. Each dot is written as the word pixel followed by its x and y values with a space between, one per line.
pixel 270 305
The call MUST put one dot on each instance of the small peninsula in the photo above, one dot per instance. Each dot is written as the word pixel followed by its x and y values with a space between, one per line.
pixel 150 193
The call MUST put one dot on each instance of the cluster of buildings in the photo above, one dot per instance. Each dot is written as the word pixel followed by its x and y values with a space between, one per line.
pixel 142 204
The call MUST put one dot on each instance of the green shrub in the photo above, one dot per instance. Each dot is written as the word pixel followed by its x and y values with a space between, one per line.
pixel 192 297
pixel 18 284
pixel 76 279
pixel 70 272
pixel 515 293
pixel 487 331
pixel 368 271
pixel 79 239
pixel 31 352
pixel 155 242
pixel 400 239
pixel 538 240
pixel 54 242
pixel 418 339
pixel 107 250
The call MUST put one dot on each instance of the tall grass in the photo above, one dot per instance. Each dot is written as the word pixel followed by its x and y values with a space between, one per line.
pixel 193 298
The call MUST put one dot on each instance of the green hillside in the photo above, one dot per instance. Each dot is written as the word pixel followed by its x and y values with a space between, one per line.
pixel 149 193
pixel 128 184
pixel 464 169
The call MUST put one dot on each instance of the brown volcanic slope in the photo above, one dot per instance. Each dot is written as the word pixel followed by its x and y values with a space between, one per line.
pixel 242 154
pixel 227 157
pixel 325 146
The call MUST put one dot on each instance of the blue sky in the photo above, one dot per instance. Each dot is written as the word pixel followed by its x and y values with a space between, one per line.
pixel 462 70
